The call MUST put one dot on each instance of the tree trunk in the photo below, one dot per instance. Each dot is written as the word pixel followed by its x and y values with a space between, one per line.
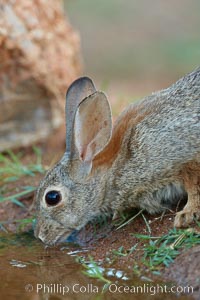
pixel 39 58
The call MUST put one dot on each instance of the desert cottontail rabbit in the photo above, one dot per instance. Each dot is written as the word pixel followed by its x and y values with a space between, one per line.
pixel 150 159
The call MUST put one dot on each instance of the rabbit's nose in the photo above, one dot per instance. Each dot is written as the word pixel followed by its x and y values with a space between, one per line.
pixel 41 237
pixel 38 233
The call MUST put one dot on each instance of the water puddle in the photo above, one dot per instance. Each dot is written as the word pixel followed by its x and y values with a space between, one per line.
pixel 29 271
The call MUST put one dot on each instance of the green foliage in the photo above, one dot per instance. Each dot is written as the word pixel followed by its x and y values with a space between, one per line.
pixel 22 224
pixel 14 197
pixel 163 250
pixel 121 252
pixel 126 219
pixel 93 270
pixel 158 252
pixel 11 167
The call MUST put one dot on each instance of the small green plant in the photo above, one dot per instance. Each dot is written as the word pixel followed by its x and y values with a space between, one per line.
pixel 21 224
pixel 126 219
pixel 122 252
pixel 93 270
pixel 11 167
pixel 14 197
pixel 163 250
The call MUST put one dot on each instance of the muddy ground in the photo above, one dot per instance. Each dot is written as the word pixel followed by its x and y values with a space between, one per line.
pixel 102 240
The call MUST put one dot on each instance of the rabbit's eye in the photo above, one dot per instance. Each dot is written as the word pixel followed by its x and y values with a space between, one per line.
pixel 52 198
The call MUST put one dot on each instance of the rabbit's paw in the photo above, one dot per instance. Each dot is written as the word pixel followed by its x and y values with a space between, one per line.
pixel 186 216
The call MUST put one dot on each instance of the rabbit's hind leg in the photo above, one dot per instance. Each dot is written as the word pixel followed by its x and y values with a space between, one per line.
pixel 191 179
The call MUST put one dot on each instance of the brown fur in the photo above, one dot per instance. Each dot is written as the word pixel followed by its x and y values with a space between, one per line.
pixel 128 119
pixel 190 174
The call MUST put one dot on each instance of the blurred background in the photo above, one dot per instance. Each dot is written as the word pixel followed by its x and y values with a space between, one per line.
pixel 129 48
pixel 136 47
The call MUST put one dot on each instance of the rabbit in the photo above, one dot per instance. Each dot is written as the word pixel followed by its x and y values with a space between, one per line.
pixel 150 159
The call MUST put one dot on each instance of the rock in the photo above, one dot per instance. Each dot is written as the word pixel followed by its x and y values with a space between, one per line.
pixel 185 271
pixel 39 58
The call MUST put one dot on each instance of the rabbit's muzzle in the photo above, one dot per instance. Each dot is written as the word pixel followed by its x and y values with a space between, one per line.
pixel 52 233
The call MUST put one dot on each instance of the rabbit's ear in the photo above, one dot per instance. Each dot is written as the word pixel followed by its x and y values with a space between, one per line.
pixel 78 90
pixel 92 126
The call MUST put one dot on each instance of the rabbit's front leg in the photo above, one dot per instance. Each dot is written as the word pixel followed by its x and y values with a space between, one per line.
pixel 192 208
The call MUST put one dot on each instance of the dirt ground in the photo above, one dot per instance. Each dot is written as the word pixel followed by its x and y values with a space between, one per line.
pixel 102 241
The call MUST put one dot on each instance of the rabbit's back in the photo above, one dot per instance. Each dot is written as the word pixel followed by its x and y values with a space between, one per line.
pixel 170 129
pixel 163 129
